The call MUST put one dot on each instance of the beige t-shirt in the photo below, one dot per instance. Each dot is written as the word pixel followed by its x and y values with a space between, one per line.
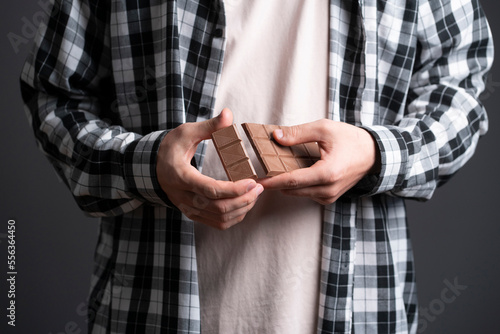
pixel 262 275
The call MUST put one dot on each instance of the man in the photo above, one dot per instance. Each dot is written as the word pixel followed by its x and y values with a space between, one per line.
pixel 121 95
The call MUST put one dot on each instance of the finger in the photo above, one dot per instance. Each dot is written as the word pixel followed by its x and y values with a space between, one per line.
pixel 303 133
pixel 228 218
pixel 184 139
pixel 300 178
pixel 196 208
pixel 227 206
pixel 322 195
pixel 215 189
pixel 322 191
pixel 203 130
pixel 216 224
pixel 325 201
pixel 220 206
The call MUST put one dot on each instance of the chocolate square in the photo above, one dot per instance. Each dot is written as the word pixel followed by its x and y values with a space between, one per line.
pixel 232 154
pixel 276 158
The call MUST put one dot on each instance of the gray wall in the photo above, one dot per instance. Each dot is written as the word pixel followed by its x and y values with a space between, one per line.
pixel 455 235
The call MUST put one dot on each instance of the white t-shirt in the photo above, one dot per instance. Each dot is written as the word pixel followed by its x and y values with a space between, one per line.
pixel 262 275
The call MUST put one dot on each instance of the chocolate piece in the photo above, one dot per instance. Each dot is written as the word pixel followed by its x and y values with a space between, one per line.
pixel 232 154
pixel 276 158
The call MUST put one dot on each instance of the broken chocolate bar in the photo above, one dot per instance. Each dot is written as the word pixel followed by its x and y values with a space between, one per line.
pixel 232 154
pixel 276 158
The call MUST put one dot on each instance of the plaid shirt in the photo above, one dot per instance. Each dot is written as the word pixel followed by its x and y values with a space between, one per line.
pixel 108 79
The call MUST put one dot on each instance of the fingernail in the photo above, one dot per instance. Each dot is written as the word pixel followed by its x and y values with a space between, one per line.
pixel 260 189
pixel 251 186
pixel 278 133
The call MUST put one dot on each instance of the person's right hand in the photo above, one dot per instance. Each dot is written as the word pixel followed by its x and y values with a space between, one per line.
pixel 220 204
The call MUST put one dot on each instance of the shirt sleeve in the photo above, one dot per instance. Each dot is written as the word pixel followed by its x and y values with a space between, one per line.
pixel 67 89
pixel 444 117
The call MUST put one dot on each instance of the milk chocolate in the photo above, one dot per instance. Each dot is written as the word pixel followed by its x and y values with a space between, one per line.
pixel 276 158
pixel 232 154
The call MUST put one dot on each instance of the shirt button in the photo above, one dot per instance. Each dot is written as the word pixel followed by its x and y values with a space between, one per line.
pixel 218 33
pixel 204 111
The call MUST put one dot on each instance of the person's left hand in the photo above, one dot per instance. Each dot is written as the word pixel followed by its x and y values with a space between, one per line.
pixel 348 153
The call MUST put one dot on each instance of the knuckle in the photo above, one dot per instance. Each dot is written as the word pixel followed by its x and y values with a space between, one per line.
pixel 240 219
pixel 223 226
pixel 182 129
pixel 324 127
pixel 325 201
pixel 294 131
pixel 212 124
pixel 221 207
pixel 320 201
pixel 212 192
pixel 226 219
pixel 324 122
pixel 333 195
pixel 231 221
pixel 292 183
pixel 330 200
pixel 249 200
pixel 330 178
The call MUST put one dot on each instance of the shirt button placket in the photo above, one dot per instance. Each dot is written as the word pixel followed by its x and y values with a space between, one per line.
pixel 218 33
pixel 204 112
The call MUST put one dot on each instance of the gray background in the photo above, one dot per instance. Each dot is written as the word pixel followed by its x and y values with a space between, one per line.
pixel 455 235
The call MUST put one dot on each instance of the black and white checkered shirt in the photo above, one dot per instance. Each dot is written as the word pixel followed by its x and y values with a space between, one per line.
pixel 108 79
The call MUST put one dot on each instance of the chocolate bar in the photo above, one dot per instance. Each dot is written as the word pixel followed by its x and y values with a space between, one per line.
pixel 276 158
pixel 232 154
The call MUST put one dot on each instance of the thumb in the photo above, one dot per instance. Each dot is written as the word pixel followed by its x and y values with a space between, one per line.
pixel 297 134
pixel 206 128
